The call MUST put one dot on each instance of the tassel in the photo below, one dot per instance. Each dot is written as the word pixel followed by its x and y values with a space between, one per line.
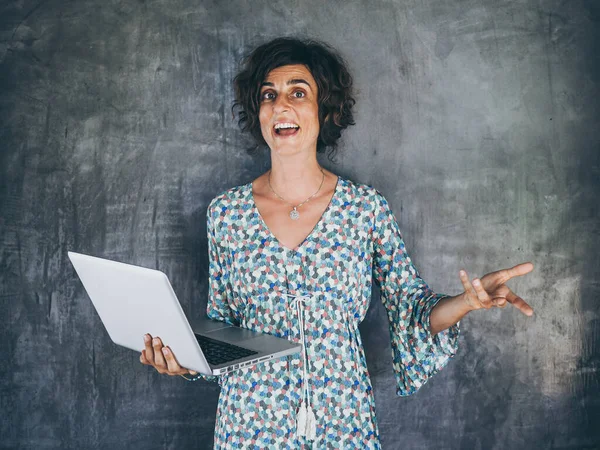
pixel 311 425
pixel 301 421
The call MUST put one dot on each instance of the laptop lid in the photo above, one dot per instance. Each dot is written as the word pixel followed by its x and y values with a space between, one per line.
pixel 132 301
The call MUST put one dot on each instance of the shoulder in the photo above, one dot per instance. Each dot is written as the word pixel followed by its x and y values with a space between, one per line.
pixel 364 194
pixel 230 200
pixel 368 205
pixel 367 202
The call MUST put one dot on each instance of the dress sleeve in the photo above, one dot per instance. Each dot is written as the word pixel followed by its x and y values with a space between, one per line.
pixel 220 291
pixel 219 288
pixel 417 353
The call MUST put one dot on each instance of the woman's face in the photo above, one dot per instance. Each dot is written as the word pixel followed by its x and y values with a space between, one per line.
pixel 289 112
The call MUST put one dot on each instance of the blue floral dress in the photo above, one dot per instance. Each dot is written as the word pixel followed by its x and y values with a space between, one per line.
pixel 317 293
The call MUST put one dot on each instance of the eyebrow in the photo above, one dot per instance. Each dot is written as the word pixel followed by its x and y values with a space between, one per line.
pixel 289 82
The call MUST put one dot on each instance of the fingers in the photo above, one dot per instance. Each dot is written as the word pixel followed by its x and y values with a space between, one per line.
pixel 502 295
pixel 172 364
pixel 499 297
pixel 519 303
pixel 161 357
pixel 477 295
pixel 464 278
pixel 482 295
pixel 148 351
pixel 499 302
pixel 515 271
pixel 159 360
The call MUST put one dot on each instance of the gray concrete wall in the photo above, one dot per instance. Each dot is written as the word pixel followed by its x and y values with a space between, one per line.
pixel 479 120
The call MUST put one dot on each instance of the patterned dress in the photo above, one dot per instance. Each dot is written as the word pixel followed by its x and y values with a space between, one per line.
pixel 317 293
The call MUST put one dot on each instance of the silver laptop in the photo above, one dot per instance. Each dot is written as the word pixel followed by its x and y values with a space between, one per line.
pixel 132 301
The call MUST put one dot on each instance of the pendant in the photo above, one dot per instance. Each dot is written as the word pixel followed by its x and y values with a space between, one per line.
pixel 294 214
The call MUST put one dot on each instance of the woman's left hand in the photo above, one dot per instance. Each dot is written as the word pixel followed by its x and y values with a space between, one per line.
pixel 491 290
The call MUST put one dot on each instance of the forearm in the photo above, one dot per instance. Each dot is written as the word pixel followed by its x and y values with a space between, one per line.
pixel 447 312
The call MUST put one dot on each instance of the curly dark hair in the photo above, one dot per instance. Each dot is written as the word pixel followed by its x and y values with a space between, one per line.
pixel 328 68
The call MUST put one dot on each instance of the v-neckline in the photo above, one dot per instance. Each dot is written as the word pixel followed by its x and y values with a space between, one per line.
pixel 266 228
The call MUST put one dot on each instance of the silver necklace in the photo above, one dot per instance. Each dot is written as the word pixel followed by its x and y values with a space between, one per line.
pixel 294 213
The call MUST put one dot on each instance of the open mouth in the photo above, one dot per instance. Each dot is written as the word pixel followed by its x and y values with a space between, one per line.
pixel 286 129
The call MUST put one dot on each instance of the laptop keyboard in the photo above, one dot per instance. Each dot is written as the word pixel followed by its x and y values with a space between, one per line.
pixel 219 352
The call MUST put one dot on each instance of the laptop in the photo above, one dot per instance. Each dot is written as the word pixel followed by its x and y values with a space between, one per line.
pixel 132 301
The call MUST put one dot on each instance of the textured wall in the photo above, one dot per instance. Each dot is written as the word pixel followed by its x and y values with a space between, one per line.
pixel 479 121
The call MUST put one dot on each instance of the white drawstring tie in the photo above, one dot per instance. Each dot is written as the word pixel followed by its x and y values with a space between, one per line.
pixel 306 423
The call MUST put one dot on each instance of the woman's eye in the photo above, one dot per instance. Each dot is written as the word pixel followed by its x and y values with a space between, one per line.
pixel 268 96
pixel 299 94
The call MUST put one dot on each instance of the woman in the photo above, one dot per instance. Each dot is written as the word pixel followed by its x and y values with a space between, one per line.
pixel 293 254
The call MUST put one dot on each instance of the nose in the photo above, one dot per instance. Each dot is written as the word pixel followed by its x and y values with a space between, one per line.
pixel 281 104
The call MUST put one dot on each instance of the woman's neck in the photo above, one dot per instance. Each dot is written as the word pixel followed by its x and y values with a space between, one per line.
pixel 295 177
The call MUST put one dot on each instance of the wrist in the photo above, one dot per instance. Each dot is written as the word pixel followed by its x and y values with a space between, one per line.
pixel 193 377
pixel 467 307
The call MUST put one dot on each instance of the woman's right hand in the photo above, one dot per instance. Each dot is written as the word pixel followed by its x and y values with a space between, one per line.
pixel 161 358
